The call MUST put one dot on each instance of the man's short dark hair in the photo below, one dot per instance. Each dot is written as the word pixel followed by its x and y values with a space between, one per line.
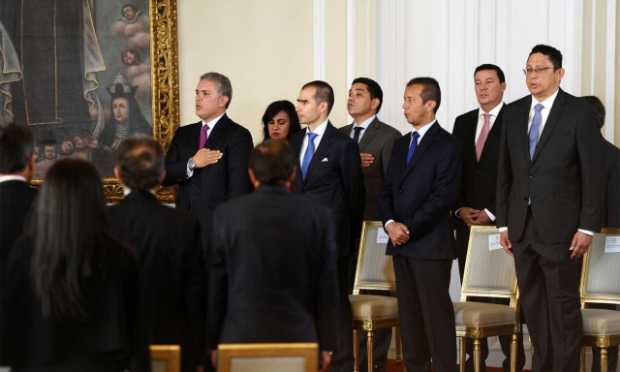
pixel 373 88
pixel 141 162
pixel 324 93
pixel 430 90
pixel 490 66
pixel 599 109
pixel 16 148
pixel 273 162
pixel 224 88
pixel 555 56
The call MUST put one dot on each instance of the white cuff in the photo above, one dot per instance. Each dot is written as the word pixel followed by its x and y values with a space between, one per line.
pixel 491 215
pixel 503 228
pixel 587 232
pixel 388 222
pixel 189 169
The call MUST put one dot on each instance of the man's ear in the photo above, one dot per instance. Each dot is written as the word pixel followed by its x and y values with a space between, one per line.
pixel 253 180
pixel 117 173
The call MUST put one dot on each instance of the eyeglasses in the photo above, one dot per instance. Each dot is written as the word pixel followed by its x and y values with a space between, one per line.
pixel 536 70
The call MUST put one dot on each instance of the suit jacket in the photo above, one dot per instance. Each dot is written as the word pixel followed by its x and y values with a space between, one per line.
pixel 215 183
pixel 273 275
pixel 112 334
pixel 172 276
pixel 479 178
pixel 335 180
pixel 16 199
pixel 562 184
pixel 377 140
pixel 612 159
pixel 422 194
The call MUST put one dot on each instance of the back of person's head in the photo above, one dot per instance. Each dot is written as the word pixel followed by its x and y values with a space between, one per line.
pixel 324 93
pixel 224 87
pixel 16 148
pixel 140 163
pixel 68 230
pixel 554 55
pixel 490 66
pixel 273 162
pixel 599 109
pixel 275 108
pixel 430 90
pixel 373 88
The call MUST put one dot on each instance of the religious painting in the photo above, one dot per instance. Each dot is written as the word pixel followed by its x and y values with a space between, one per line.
pixel 86 74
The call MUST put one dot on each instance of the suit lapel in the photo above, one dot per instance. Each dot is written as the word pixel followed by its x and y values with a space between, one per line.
pixel 218 133
pixel 422 147
pixel 522 138
pixel 471 133
pixel 552 120
pixel 368 136
pixel 322 151
pixel 296 142
pixel 493 135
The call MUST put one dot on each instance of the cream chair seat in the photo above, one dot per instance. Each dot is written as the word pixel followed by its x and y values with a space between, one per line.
pixel 268 357
pixel 165 358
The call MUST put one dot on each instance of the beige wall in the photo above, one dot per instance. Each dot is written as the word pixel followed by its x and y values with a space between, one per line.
pixel 264 46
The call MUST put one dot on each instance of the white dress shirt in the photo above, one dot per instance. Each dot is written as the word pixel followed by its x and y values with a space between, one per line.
pixel 319 131
pixel 364 125
pixel 492 117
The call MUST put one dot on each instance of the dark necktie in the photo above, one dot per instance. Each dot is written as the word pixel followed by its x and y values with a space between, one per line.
pixel 204 135
pixel 356 134
pixel 412 146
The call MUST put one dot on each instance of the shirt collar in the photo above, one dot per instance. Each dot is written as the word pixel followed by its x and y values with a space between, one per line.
pixel 547 102
pixel 422 131
pixel 12 177
pixel 493 112
pixel 366 123
pixel 318 130
pixel 212 123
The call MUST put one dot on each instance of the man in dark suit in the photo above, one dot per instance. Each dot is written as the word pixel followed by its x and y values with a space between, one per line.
pixel 331 175
pixel 549 204
pixel 209 159
pixel 421 188
pixel 611 218
pixel 375 140
pixel 273 272
pixel 478 132
pixel 167 244
pixel 16 195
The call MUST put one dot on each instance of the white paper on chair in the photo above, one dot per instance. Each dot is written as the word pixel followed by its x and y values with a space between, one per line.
pixel 382 236
pixel 494 242
pixel 612 244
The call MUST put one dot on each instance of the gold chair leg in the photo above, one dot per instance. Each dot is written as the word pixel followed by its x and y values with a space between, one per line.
pixel 399 343
pixel 477 355
pixel 582 359
pixel 604 360
pixel 370 346
pixel 462 341
pixel 513 353
pixel 356 350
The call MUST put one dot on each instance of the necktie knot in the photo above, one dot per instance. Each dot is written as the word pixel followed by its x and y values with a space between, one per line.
pixel 204 134
pixel 311 136
pixel 534 133
pixel 538 107
pixel 415 136
pixel 412 146
pixel 357 131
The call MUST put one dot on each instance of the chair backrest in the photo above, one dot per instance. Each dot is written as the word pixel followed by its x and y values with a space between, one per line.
pixel 165 358
pixel 374 269
pixel 268 357
pixel 489 271
pixel 600 277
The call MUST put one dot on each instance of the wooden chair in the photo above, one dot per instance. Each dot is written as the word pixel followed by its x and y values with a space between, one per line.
pixel 268 357
pixel 600 283
pixel 165 358
pixel 375 272
pixel 489 273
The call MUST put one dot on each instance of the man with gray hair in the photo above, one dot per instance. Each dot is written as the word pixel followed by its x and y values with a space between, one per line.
pixel 208 160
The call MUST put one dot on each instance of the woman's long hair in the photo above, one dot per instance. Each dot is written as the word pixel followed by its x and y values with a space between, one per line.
pixel 68 227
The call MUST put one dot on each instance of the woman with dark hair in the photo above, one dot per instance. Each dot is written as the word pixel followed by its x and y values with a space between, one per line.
pixel 70 297
pixel 280 121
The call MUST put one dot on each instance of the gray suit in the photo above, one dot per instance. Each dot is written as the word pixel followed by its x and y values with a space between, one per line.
pixel 377 140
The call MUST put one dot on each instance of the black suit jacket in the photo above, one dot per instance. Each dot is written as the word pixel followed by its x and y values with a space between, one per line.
pixel 273 275
pixel 377 140
pixel 335 180
pixel 215 183
pixel 562 184
pixel 422 194
pixel 612 159
pixel 479 178
pixel 172 276
pixel 16 199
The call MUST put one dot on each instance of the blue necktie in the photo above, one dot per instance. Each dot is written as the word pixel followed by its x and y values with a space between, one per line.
pixel 308 154
pixel 412 146
pixel 535 128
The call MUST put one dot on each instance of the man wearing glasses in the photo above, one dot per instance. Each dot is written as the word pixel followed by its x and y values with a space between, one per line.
pixel 549 204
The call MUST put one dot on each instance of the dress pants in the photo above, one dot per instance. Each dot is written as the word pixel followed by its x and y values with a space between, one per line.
pixel 426 314
pixel 342 359
pixel 548 282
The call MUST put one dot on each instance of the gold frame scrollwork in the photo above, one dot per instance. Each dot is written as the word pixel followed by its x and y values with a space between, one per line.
pixel 165 85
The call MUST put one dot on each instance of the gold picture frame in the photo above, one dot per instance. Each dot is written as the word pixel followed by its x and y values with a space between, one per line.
pixel 122 49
